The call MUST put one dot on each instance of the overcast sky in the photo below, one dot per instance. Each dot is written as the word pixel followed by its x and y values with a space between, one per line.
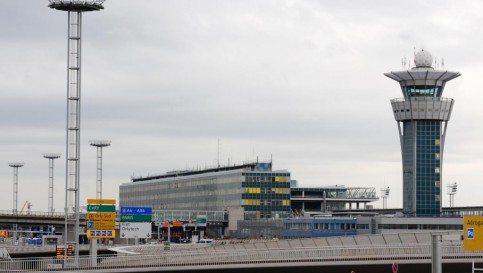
pixel 300 80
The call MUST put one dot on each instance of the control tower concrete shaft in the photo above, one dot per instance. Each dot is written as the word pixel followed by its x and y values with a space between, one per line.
pixel 422 117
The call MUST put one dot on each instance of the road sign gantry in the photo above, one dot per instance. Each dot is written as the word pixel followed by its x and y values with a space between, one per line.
pixel 101 217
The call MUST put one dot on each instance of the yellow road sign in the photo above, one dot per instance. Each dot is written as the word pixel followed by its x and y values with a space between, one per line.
pixel 473 233
pixel 101 216
pixel 101 225
pixel 95 233
pixel 101 201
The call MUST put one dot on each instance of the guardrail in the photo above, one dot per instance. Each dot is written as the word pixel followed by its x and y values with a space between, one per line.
pixel 276 257
pixel 46 248
pixel 32 213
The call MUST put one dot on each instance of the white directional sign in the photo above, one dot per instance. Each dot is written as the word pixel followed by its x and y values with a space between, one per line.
pixel 134 230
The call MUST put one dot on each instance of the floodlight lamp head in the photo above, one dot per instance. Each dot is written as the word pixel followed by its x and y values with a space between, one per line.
pixel 385 192
pixel 452 188
pixel 16 164
pixel 100 143
pixel 76 5
pixel 51 155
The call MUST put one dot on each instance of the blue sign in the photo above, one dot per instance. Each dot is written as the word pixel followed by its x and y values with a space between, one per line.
pixel 109 233
pixel 98 233
pixel 263 167
pixel 136 210
pixel 470 233
pixel 90 225
pixel 93 233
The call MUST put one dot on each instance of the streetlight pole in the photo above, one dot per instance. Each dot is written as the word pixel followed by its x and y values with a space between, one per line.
pixel 99 144
pixel 74 11
pixel 15 166
pixel 51 158
pixel 452 188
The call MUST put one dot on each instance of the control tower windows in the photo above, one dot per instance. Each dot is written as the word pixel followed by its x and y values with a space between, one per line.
pixel 419 91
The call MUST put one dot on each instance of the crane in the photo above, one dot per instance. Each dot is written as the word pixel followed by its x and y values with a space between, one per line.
pixel 28 204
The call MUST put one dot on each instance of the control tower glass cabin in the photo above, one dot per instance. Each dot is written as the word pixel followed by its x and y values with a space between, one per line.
pixel 422 117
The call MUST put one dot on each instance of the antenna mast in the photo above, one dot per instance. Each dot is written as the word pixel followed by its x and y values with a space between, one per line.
pixel 218 154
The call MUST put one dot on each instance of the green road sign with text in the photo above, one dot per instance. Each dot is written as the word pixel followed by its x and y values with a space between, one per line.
pixel 136 218
pixel 101 208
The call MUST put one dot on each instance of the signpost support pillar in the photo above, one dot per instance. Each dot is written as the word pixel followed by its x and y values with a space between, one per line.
pixel 158 232
pixel 169 233
pixel 437 256
pixel 93 252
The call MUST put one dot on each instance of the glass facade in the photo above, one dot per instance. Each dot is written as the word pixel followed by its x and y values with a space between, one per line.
pixel 266 194
pixel 418 91
pixel 210 191
pixel 262 193
pixel 310 228
pixel 422 167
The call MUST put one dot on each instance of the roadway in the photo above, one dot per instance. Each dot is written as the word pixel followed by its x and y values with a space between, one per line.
pixel 363 253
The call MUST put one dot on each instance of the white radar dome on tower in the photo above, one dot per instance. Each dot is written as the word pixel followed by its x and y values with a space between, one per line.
pixel 423 59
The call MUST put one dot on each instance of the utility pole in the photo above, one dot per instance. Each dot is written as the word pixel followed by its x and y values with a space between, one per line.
pixel 99 144
pixel 15 166
pixel 51 158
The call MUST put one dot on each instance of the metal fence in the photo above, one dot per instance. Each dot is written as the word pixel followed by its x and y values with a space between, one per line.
pixel 374 255
pixel 32 213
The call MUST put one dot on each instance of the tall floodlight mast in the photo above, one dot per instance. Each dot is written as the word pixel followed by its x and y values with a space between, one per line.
pixel 74 9
pixel 385 194
pixel 452 188
pixel 99 144
pixel 15 166
pixel 51 158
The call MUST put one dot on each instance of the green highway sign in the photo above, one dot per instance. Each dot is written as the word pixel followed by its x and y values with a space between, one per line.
pixel 136 218
pixel 201 220
pixel 101 208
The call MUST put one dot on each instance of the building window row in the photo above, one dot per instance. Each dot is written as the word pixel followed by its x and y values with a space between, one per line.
pixel 267 190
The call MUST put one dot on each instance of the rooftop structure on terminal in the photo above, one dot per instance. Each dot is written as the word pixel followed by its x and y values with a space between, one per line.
pixel 316 200
pixel 422 117
pixel 250 166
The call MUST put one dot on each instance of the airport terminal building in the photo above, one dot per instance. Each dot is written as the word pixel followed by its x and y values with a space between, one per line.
pixel 254 190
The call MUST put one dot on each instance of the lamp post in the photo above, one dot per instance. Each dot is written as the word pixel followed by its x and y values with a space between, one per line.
pixel 15 166
pixel 99 144
pixel 74 9
pixel 452 188
pixel 51 158
pixel 385 194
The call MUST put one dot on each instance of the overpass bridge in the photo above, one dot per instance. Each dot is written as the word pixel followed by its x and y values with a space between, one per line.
pixel 38 222
pixel 364 253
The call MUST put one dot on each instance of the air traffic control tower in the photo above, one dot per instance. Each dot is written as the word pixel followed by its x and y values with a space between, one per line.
pixel 422 117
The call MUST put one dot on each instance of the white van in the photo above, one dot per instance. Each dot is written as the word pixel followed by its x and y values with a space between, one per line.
pixel 205 241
